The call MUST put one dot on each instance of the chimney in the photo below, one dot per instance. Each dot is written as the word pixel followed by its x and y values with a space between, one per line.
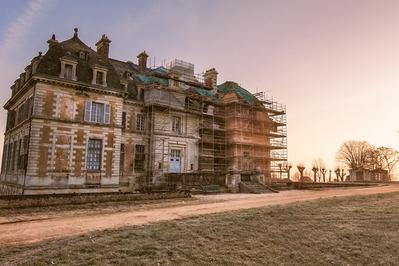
pixel 211 78
pixel 142 61
pixel 52 42
pixel 103 46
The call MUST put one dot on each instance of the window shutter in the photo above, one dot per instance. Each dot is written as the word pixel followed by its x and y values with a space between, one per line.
pixel 107 114
pixel 87 111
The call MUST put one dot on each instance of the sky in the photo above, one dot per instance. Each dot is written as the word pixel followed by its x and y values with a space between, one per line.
pixel 334 63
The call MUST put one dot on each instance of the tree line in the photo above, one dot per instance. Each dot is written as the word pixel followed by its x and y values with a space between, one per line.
pixel 352 155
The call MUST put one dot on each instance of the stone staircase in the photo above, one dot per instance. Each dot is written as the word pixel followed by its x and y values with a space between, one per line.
pixel 255 188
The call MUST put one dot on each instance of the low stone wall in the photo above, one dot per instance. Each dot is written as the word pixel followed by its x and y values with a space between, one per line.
pixel 28 201
pixel 312 185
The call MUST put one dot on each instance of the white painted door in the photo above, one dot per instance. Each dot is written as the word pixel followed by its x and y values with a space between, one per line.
pixel 175 161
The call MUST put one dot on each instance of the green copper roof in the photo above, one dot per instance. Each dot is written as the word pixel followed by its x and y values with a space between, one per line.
pixel 151 80
pixel 204 92
pixel 230 86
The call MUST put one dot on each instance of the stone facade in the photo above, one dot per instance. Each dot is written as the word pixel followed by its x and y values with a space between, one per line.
pixel 79 121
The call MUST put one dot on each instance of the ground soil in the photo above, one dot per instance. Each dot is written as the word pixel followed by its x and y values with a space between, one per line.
pixel 35 228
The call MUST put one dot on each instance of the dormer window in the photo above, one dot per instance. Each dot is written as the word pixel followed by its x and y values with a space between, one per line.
pixel 68 71
pixel 99 75
pixel 100 78
pixel 68 68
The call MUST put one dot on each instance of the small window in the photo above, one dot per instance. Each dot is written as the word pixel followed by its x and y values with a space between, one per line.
pixel 123 120
pixel 68 71
pixel 83 55
pixel 140 122
pixel 176 124
pixel 122 160
pixel 94 150
pixel 139 158
pixel 100 78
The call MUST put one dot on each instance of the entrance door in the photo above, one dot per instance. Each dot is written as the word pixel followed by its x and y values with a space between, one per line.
pixel 175 161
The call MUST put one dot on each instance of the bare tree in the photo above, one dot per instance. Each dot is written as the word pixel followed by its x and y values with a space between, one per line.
pixel 387 159
pixel 315 170
pixel 301 168
pixel 288 167
pixel 337 173
pixel 354 154
pixel 323 172
pixel 280 166
pixel 342 174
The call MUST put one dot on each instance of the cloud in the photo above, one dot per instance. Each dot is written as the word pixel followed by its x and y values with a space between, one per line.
pixel 11 46
pixel 24 22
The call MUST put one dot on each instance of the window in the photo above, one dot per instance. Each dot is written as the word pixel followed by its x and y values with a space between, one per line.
pixel 19 157
pixel 68 71
pixel 3 166
pixel 99 77
pixel 9 156
pixel 94 151
pixel 97 112
pixel 123 120
pixel 14 154
pixel 84 55
pixel 140 122
pixel 139 158
pixel 23 152
pixel 122 159
pixel 11 119
pixel 176 124
pixel 68 68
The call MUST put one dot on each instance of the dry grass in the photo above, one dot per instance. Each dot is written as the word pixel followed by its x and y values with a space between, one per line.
pixel 352 230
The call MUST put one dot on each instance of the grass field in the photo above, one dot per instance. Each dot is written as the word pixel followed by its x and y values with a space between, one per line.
pixel 351 230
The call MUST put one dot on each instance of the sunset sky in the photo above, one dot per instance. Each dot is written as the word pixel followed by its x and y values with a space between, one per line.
pixel 334 63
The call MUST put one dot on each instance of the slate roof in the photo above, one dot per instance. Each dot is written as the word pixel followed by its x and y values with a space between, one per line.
pixel 121 72
pixel 71 48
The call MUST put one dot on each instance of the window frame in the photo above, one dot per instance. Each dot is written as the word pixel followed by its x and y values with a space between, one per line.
pixel 124 124
pixel 100 77
pixel 67 74
pixel 139 158
pixel 177 124
pixel 94 153
pixel 140 122
pixel 97 112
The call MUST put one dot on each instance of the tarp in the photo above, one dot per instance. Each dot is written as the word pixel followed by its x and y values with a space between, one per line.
pixel 230 86
pixel 151 80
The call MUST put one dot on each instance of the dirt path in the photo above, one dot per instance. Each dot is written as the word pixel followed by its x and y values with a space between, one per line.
pixel 40 230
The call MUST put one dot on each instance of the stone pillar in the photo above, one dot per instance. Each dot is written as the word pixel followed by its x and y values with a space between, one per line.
pixel 233 179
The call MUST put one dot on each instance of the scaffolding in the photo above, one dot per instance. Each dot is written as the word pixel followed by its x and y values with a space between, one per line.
pixel 232 134
pixel 161 104
pixel 278 135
